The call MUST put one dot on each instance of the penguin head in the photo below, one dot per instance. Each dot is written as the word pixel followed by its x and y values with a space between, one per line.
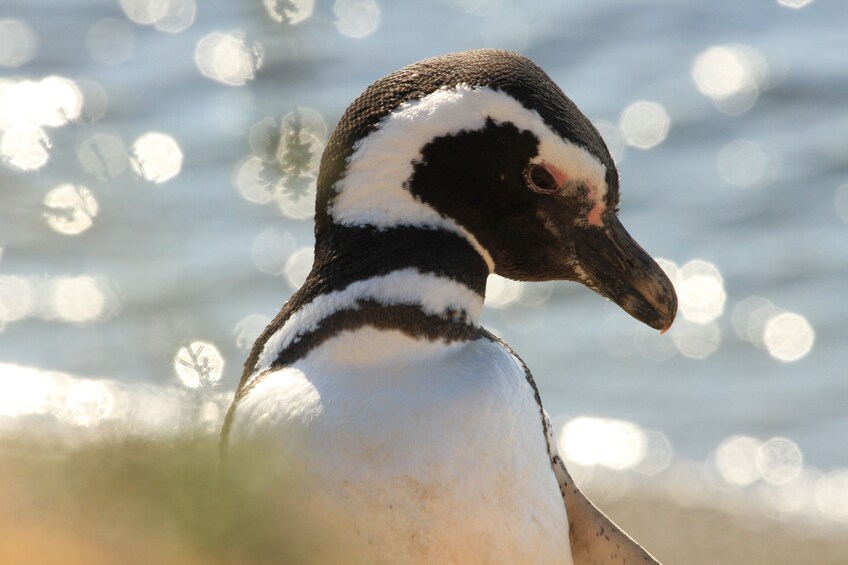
pixel 484 144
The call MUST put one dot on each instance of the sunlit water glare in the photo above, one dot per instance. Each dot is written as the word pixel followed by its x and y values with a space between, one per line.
pixel 102 407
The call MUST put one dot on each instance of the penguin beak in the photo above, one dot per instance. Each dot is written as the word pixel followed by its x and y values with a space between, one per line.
pixel 619 269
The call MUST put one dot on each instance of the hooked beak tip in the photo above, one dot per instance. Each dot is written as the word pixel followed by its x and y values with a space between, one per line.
pixel 624 272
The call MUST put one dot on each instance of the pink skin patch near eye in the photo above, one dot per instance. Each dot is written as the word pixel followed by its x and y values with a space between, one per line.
pixel 560 176
pixel 596 214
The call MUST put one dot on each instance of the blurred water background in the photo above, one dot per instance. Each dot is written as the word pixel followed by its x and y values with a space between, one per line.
pixel 157 168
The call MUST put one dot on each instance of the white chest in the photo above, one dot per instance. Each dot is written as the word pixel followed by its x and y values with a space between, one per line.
pixel 414 452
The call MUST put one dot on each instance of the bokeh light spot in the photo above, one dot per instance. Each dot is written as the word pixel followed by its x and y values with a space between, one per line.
pixel 296 141
pixel 788 336
pixel 70 209
pixel 616 444
pixel 670 268
pixel 58 101
pixel 301 142
pixel 356 18
pixel 298 155
pixel 198 364
pixel 156 157
pixel 310 122
pixel 25 147
pixel 284 166
pixel 736 460
pixel 731 75
pixel 742 163
pixel 52 101
pixel 271 249
pixel 750 317
pixel 700 291
pixel 291 12
pixel 94 100
pixel 18 43
pixel 79 300
pixel 657 453
pixel 720 72
pixel 226 58
pixel 251 183
pixel 103 155
pixel 694 340
pixel 644 124
pixel 298 266
pixel 779 460
pixel 110 41
pixel 295 198
pixel 17 297
pixel 145 12
pixel 613 137
pixel 178 16
pixel 248 329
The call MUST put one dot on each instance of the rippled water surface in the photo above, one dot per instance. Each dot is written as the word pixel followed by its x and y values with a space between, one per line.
pixel 158 168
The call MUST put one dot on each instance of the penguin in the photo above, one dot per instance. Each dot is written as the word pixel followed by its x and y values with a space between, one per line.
pixel 388 420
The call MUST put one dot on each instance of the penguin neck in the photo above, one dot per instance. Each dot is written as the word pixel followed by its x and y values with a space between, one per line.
pixel 348 254
pixel 428 284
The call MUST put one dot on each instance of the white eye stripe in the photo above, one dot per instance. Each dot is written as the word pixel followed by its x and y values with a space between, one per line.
pixel 372 190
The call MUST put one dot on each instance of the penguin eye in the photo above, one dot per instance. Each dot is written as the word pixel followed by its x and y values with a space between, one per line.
pixel 540 178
